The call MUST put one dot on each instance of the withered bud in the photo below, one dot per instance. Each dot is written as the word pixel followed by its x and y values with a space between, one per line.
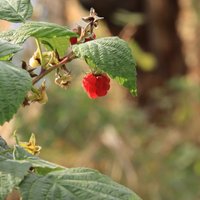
pixel 63 80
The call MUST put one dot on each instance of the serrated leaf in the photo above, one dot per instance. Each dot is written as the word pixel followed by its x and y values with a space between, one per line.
pixel 7 48
pixel 14 84
pixel 15 10
pixel 60 44
pixel 40 30
pixel 74 184
pixel 41 166
pixel 111 55
pixel 11 174
pixel 7 35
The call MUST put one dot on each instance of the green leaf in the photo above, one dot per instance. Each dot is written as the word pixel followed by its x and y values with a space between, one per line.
pixel 74 184
pixel 11 174
pixel 14 84
pixel 5 150
pixel 6 48
pixel 7 35
pixel 41 166
pixel 60 44
pixel 15 10
pixel 39 30
pixel 113 56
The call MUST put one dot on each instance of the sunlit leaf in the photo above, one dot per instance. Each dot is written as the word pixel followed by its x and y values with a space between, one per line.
pixel 15 10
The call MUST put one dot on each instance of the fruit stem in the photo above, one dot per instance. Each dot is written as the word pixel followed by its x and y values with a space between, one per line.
pixel 39 49
pixel 65 60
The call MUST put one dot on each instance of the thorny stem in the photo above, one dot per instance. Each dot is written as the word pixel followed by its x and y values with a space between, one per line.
pixel 65 60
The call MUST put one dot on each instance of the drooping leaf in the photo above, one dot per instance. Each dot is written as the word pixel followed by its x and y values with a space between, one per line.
pixel 14 84
pixel 6 48
pixel 113 56
pixel 15 10
pixel 74 184
pixel 39 30
pixel 12 172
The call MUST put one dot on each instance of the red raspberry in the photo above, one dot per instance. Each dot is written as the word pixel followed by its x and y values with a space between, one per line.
pixel 73 40
pixel 96 85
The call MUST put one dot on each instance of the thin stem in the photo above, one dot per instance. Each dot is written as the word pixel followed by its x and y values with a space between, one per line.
pixel 65 60
pixel 15 136
pixel 39 50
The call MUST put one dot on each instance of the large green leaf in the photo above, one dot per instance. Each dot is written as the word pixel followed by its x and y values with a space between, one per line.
pixel 74 184
pixel 15 10
pixel 57 182
pixel 6 48
pixel 14 84
pixel 113 56
pixel 38 30
pixel 11 174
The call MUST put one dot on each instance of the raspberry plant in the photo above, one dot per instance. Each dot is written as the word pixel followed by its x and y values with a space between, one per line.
pixel 20 166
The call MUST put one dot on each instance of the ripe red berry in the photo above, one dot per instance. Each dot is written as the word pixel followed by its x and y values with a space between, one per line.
pixel 73 40
pixel 96 85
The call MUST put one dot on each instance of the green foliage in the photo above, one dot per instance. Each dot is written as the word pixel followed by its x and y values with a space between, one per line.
pixel 40 30
pixel 42 166
pixel 33 177
pixel 7 35
pixel 60 44
pixel 14 84
pixel 12 172
pixel 15 10
pixel 166 158
pixel 6 48
pixel 73 184
pixel 111 55
pixel 5 151
pixel 62 183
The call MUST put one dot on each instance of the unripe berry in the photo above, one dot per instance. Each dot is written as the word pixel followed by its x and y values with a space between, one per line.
pixel 96 85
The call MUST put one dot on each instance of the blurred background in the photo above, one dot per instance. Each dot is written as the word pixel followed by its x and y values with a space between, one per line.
pixel 150 143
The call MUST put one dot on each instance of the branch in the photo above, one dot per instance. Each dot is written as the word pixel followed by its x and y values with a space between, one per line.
pixel 65 60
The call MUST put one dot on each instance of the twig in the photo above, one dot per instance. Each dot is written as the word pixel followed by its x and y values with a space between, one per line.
pixel 65 60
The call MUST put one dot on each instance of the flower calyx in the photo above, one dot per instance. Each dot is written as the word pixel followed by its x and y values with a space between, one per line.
pixel 38 94
pixel 31 146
